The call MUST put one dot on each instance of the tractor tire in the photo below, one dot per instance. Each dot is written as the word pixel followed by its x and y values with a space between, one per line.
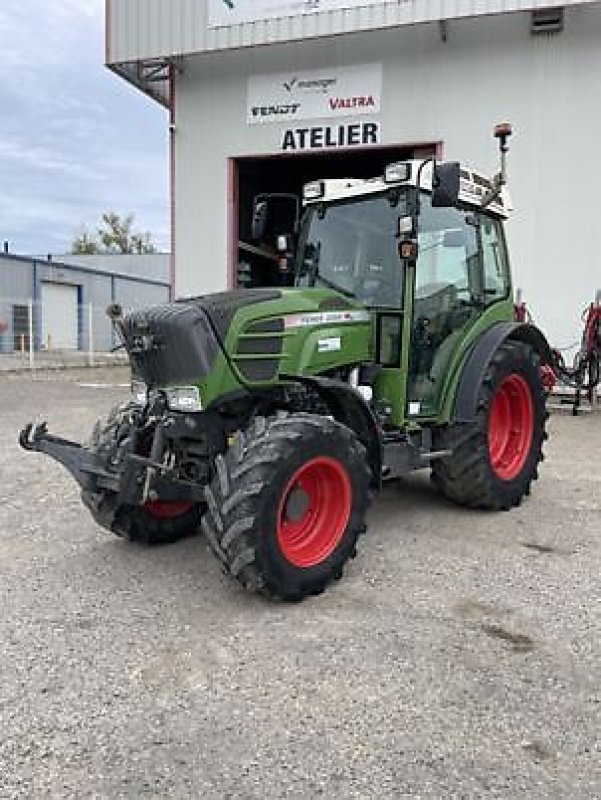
pixel 288 503
pixel 154 523
pixel 496 458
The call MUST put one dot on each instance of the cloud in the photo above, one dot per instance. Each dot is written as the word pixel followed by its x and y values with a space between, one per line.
pixel 75 141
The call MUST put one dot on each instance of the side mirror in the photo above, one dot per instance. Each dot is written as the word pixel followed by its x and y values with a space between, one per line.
pixel 259 221
pixel 445 184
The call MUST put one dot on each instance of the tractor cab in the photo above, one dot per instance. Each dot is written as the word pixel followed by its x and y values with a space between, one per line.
pixel 423 249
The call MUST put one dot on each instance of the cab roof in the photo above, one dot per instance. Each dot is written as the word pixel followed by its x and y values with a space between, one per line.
pixel 473 187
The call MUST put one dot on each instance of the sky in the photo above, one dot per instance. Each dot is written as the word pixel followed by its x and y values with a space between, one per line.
pixel 75 140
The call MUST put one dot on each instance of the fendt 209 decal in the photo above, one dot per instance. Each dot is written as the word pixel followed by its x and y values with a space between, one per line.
pixel 325 318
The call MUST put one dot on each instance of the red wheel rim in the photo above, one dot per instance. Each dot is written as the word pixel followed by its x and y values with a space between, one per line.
pixel 510 427
pixel 314 511
pixel 166 510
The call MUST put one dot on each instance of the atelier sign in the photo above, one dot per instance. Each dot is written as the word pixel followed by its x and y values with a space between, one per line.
pixel 319 137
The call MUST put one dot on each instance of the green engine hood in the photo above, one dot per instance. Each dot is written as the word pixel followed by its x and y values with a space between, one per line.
pixel 273 332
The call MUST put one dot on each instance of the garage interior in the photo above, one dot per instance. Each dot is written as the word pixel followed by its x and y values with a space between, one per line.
pixel 257 262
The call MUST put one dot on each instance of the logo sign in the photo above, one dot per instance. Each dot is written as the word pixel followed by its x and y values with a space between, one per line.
pixel 325 318
pixel 330 345
pixel 315 94
pixel 223 13
pixel 323 137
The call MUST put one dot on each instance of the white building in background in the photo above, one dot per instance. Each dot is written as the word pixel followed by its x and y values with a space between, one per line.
pixel 264 95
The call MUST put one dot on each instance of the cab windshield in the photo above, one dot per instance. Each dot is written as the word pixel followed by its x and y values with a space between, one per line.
pixel 352 247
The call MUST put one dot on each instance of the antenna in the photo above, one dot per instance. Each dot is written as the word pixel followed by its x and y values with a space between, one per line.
pixel 502 132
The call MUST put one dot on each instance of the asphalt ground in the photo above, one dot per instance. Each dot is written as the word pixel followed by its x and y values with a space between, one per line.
pixel 459 657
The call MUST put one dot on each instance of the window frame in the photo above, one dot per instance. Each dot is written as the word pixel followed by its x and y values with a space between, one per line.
pixel 316 210
pixel 504 255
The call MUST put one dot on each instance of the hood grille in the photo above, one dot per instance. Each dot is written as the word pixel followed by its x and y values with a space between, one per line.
pixel 259 349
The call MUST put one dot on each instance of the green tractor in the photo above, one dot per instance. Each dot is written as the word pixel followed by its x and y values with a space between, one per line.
pixel 268 417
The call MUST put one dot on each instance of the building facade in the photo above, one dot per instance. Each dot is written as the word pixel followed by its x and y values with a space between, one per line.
pixel 59 302
pixel 264 95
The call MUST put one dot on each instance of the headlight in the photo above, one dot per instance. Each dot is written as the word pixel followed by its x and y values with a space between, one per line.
pixel 184 398
pixel 313 191
pixel 397 173
pixel 139 392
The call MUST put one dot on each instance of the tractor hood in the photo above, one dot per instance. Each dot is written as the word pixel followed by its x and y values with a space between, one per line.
pixel 258 332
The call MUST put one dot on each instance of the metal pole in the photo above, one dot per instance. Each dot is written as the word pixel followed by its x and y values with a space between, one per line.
pixel 90 335
pixel 30 324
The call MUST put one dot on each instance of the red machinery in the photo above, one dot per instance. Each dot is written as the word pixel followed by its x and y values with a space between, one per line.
pixel 585 373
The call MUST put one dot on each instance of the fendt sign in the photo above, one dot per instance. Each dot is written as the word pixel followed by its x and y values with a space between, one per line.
pixel 315 94
pixel 224 13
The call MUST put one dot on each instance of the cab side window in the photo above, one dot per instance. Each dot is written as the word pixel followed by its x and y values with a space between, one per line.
pixel 494 258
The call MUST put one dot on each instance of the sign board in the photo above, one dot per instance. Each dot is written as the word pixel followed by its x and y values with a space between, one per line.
pixel 314 94
pixel 224 13
pixel 327 137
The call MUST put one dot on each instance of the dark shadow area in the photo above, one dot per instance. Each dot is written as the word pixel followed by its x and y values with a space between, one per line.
pixel 288 174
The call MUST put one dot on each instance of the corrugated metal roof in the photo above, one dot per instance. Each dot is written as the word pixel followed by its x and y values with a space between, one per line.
pixel 140 30
pixel 140 265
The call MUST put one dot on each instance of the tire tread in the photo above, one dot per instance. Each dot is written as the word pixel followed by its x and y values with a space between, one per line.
pixel 466 476
pixel 251 464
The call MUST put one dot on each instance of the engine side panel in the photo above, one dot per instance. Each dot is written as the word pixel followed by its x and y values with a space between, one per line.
pixel 303 332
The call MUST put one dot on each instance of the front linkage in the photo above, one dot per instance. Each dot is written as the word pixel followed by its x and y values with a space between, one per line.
pixel 282 497
pixel 114 477
pixel 81 463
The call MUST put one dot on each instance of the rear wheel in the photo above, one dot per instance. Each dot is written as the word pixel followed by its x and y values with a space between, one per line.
pixel 496 458
pixel 155 522
pixel 288 503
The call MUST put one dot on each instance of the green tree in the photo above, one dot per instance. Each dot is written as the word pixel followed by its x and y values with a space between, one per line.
pixel 84 244
pixel 115 235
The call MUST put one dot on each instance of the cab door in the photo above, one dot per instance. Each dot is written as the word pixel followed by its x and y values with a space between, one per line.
pixel 461 269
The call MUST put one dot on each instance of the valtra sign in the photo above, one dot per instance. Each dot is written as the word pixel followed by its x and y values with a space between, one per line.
pixel 315 94
pixel 353 103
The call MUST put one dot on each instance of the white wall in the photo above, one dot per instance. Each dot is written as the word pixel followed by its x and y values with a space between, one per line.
pixel 488 70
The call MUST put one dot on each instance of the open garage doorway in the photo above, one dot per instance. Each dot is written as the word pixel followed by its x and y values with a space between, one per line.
pixel 256 263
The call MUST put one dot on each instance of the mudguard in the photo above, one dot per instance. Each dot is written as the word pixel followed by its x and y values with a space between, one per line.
pixel 349 408
pixel 476 364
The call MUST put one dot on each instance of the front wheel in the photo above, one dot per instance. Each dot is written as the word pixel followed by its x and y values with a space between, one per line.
pixel 288 503
pixel 496 457
pixel 153 523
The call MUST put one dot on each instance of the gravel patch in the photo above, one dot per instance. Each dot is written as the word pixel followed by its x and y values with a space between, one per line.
pixel 459 657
